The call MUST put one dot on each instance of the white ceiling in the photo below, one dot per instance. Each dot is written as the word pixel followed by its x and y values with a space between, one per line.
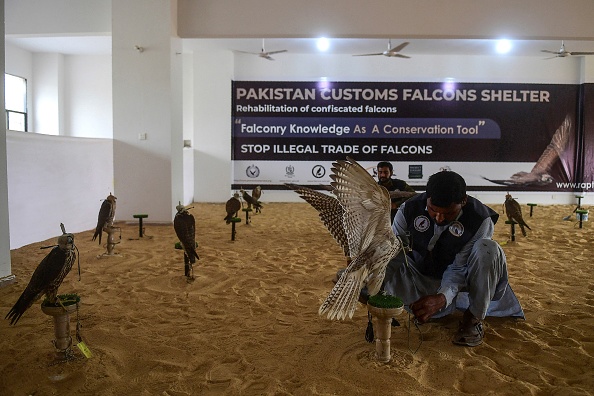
pixel 73 45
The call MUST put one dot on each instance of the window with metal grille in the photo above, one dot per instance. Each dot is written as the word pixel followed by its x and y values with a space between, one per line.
pixel 15 97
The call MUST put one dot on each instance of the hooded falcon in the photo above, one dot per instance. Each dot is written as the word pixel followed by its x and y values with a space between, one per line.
pixel 185 229
pixel 371 241
pixel 106 215
pixel 48 276
pixel 232 206
pixel 514 212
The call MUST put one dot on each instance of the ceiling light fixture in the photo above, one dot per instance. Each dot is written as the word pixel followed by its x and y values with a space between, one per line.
pixel 503 46
pixel 323 44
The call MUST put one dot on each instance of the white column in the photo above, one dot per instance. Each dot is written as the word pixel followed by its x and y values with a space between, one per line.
pixel 147 127
pixel 6 275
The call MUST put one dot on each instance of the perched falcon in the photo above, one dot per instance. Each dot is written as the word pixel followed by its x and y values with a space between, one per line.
pixel 539 175
pixel 330 211
pixel 371 241
pixel 256 194
pixel 251 201
pixel 47 277
pixel 514 212
pixel 232 206
pixel 106 215
pixel 185 229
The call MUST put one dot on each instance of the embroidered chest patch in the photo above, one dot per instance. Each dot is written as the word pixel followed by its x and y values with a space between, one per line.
pixel 421 223
pixel 456 229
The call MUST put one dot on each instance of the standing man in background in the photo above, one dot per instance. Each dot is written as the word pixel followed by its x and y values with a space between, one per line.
pixel 399 190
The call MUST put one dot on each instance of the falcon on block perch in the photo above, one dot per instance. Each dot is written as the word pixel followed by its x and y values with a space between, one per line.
pixel 105 217
pixel 371 241
pixel 232 206
pixel 185 229
pixel 256 194
pixel 47 277
pixel 514 212
pixel 251 201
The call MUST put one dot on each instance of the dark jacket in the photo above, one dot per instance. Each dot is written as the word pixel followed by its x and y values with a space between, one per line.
pixel 421 228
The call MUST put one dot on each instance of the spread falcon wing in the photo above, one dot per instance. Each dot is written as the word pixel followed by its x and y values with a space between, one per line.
pixel 184 225
pixel 514 212
pixel 539 175
pixel 232 206
pixel 330 211
pixel 105 217
pixel 47 277
pixel 372 242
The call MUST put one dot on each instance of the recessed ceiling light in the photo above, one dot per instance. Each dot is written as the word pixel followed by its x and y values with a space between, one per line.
pixel 503 46
pixel 323 44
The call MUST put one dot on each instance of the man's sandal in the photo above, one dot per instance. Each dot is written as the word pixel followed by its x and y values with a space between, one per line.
pixel 470 332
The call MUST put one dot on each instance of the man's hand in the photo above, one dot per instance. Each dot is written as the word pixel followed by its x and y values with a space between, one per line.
pixel 427 306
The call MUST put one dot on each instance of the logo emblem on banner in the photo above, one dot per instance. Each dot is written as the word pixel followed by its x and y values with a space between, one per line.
pixel 252 171
pixel 290 171
pixel 421 223
pixel 456 229
pixel 318 171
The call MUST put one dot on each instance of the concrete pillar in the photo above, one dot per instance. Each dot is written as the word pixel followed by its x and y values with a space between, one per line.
pixel 6 275
pixel 147 120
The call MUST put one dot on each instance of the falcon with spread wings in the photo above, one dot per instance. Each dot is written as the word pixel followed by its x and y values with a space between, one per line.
pixel 371 241
pixel 47 277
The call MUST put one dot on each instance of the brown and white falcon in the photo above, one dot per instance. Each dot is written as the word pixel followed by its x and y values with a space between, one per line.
pixel 251 201
pixel 105 217
pixel 184 225
pixel 232 206
pixel 257 194
pixel 371 241
pixel 47 277
pixel 539 175
pixel 514 212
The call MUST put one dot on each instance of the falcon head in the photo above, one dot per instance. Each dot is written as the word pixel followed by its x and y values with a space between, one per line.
pixel 66 241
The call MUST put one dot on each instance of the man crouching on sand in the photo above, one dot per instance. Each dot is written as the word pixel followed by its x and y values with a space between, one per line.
pixel 451 262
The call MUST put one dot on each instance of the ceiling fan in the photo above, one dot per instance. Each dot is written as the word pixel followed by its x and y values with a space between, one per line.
pixel 263 54
pixel 391 52
pixel 562 53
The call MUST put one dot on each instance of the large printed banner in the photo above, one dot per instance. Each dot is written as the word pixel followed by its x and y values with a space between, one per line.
pixel 497 136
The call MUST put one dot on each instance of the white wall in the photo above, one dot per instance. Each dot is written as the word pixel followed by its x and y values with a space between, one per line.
pixel 53 180
pixel 88 96
pixel 48 100
pixel 213 73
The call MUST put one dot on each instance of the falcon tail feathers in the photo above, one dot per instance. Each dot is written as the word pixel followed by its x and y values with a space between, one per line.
pixel 97 234
pixel 344 296
pixel 19 308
